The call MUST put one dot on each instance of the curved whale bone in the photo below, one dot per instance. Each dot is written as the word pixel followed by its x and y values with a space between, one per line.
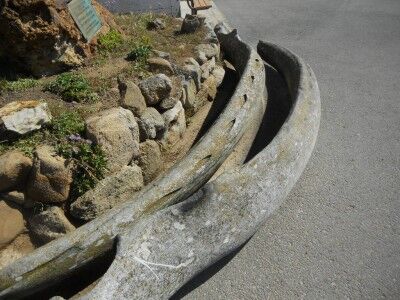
pixel 61 257
pixel 170 247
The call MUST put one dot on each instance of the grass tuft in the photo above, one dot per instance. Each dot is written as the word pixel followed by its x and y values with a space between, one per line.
pixel 72 87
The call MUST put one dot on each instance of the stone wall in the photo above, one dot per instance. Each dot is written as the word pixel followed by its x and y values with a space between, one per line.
pixel 170 7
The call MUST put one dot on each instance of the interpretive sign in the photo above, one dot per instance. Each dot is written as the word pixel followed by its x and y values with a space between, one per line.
pixel 86 17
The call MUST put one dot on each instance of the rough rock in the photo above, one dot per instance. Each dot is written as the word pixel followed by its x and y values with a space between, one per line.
pixel 117 132
pixel 189 98
pixel 19 198
pixel 190 24
pixel 50 224
pixel 108 193
pixel 156 88
pixel 191 70
pixel 208 91
pixel 151 124
pixel 50 178
pixel 150 160
pixel 175 122
pixel 161 54
pixel 131 97
pixel 11 223
pixel 21 117
pixel 14 170
pixel 210 50
pixel 156 24
pixel 160 65
pixel 168 103
pixel 219 74
pixel 201 57
pixel 207 68
pixel 41 37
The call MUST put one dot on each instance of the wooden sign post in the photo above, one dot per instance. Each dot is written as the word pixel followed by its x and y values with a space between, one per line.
pixel 86 17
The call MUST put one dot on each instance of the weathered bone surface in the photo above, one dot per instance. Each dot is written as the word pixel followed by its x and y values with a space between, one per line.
pixel 64 255
pixel 167 249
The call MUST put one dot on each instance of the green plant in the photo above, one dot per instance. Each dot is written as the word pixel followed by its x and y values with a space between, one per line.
pixel 141 50
pixel 72 87
pixel 25 144
pixel 110 40
pixel 66 124
pixel 90 161
pixel 18 85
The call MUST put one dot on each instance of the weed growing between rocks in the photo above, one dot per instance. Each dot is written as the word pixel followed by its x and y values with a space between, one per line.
pixel 90 161
pixel 18 85
pixel 110 40
pixel 72 87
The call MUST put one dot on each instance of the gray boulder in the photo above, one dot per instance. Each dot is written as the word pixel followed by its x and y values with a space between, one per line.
pixel 210 50
pixel 161 54
pixel 17 197
pixel 190 24
pixel 201 57
pixel 14 170
pixel 207 68
pixel 50 178
pixel 160 65
pixel 192 70
pixel 151 124
pixel 219 74
pixel 156 88
pixel 150 160
pixel 50 224
pixel 189 98
pixel 21 117
pixel 175 122
pixel 168 103
pixel 108 193
pixel 156 24
pixel 131 97
pixel 208 91
pixel 117 132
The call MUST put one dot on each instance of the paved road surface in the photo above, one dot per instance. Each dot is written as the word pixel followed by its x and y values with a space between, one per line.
pixel 338 234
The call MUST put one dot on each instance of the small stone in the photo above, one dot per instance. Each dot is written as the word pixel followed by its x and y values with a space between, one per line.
pixel 168 103
pixel 189 98
pixel 117 132
pixel 190 24
pixel 160 65
pixel 219 74
pixel 210 50
pixel 156 88
pixel 150 160
pixel 151 125
pixel 109 192
pixel 131 97
pixel 21 117
pixel 50 178
pixel 11 223
pixel 161 54
pixel 14 170
pixel 175 122
pixel 208 90
pixel 207 68
pixel 191 70
pixel 156 24
pixel 15 197
pixel 201 57
pixel 50 224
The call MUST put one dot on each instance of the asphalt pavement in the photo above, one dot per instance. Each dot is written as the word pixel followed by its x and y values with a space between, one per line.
pixel 338 233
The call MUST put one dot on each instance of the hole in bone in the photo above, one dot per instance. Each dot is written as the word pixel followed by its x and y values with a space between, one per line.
pixel 252 78
pixel 245 97
pixel 79 282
